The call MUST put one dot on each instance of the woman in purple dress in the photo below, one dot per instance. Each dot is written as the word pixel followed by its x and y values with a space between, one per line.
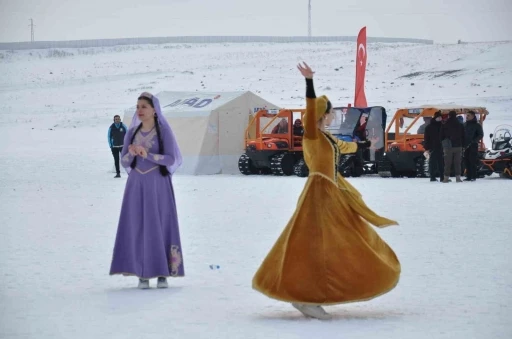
pixel 148 240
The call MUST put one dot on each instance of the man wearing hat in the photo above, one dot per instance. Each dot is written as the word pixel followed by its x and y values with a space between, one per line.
pixel 473 133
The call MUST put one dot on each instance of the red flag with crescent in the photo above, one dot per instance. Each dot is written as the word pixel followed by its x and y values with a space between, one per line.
pixel 360 97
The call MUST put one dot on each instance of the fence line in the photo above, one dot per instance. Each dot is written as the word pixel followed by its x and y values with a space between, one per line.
pixel 194 39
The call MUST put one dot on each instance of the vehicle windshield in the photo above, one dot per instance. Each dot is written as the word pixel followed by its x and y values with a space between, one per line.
pixel 415 127
pixel 360 124
pixel 375 130
pixel 277 126
pixel 502 137
pixel 345 121
pixel 281 124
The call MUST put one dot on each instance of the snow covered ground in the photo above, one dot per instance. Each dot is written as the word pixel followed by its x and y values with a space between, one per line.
pixel 60 204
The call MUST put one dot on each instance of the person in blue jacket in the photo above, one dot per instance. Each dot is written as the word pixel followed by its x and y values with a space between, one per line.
pixel 116 133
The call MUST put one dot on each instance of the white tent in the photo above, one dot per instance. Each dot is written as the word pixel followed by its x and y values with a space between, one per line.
pixel 209 127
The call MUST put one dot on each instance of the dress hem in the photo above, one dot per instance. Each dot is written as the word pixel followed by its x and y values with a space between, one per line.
pixel 154 277
pixel 324 303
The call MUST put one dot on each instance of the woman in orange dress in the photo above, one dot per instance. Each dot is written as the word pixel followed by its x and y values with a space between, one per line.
pixel 328 253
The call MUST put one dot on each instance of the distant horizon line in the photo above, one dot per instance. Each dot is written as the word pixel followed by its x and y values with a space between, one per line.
pixel 109 42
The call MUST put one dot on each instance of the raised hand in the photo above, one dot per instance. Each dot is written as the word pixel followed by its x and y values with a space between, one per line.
pixel 305 70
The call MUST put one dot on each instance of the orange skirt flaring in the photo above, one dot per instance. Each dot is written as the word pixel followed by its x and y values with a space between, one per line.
pixel 329 253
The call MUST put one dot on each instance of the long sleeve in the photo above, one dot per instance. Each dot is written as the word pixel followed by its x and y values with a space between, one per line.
pixel 310 89
pixel 310 123
pixel 126 157
pixel 426 139
pixel 479 133
pixel 462 134
pixel 125 128
pixel 109 137
pixel 166 159
pixel 346 147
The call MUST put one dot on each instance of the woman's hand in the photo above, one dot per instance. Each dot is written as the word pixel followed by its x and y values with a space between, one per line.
pixel 137 150
pixel 131 149
pixel 142 152
pixel 305 70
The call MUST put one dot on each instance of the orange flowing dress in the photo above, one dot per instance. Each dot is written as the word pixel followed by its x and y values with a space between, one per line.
pixel 328 253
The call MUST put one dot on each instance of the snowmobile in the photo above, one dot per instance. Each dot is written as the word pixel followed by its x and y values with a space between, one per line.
pixel 272 144
pixel 499 158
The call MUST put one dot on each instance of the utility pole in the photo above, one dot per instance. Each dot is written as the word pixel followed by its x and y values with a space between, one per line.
pixel 309 18
pixel 31 30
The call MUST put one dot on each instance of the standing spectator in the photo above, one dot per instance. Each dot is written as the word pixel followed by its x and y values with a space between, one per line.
pixel 432 144
pixel 116 133
pixel 473 133
pixel 452 140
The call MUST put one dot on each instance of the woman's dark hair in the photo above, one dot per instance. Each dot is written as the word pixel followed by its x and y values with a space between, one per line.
pixel 163 169
pixel 329 106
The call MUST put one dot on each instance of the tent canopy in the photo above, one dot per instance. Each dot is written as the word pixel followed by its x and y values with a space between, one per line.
pixel 209 127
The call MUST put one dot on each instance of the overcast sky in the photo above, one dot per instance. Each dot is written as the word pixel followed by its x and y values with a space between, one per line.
pixel 439 20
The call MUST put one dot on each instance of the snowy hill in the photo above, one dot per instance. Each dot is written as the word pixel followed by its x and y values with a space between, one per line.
pixel 70 81
pixel 60 205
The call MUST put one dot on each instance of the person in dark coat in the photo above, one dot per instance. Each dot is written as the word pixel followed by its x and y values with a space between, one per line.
pixel 432 144
pixel 298 129
pixel 116 133
pixel 452 140
pixel 473 133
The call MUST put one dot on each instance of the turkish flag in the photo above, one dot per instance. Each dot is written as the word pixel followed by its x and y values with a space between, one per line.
pixel 360 97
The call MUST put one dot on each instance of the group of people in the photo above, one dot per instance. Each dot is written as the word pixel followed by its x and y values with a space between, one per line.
pixel 327 254
pixel 449 142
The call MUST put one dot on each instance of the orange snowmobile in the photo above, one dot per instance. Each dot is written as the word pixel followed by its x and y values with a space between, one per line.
pixel 273 142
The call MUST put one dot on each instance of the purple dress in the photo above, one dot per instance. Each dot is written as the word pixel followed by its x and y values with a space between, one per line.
pixel 148 240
